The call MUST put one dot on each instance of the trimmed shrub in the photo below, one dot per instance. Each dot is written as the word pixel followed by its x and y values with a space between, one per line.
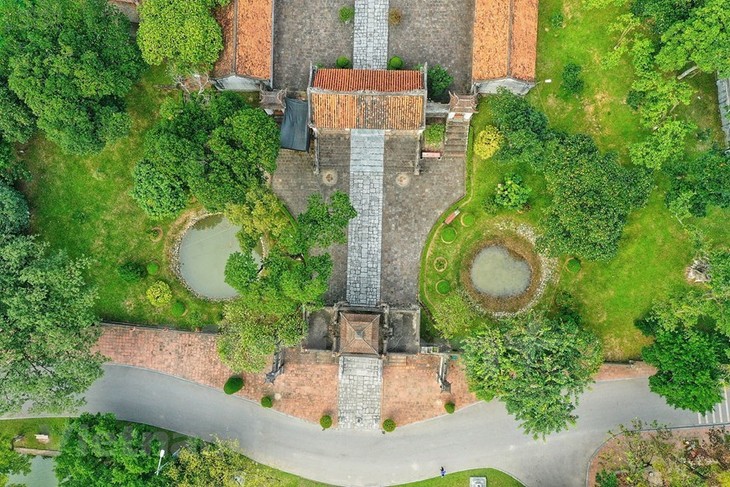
pixel 572 83
pixel 448 234
pixel 325 421
pixel 159 294
pixel 233 385
pixel 395 63
pixel 343 62
pixel 439 81
pixel 511 193
pixel 132 271
pixel 389 425
pixel 443 287
pixel 153 268
pixel 556 20
pixel 467 219
pixel 574 265
pixel 347 14
pixel 178 309
pixel 394 17
pixel 450 407
pixel 434 135
pixel 487 142
pixel 267 401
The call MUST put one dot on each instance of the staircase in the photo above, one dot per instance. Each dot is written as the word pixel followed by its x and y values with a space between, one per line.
pixel 456 139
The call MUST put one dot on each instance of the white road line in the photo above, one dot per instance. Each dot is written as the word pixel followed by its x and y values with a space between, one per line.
pixel 727 412
pixel 719 410
pixel 714 420
pixel 699 418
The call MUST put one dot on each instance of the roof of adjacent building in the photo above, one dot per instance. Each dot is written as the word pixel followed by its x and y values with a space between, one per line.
pixel 247 42
pixel 367 99
pixel 505 39
pixel 359 333
pixel 381 80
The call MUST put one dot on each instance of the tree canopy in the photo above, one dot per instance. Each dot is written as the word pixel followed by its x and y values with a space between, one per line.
pixel 183 33
pixel 536 364
pixel 690 354
pixel 48 327
pixel 704 180
pixel 216 150
pixel 14 214
pixel 11 462
pixel 71 62
pixel 98 450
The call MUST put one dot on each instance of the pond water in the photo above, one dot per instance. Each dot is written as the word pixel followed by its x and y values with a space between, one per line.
pixel 500 274
pixel 41 474
pixel 204 251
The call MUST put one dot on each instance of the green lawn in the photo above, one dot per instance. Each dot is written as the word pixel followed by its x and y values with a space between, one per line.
pixel 654 249
pixel 83 205
pixel 495 478
pixel 28 428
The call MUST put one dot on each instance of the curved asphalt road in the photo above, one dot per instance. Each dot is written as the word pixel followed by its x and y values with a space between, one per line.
pixel 482 435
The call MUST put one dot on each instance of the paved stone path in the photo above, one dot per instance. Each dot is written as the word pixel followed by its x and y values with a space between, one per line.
pixel 365 231
pixel 359 393
pixel 370 49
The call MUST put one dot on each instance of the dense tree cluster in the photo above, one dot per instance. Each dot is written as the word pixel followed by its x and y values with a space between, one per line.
pixel 100 451
pixel 182 33
pixel 699 182
pixel 592 194
pixel 67 66
pixel 268 313
pixel 538 365
pixel 217 149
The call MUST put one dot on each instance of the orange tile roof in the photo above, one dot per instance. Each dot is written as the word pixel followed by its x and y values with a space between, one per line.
pixel 372 111
pixel 247 48
pixel 359 333
pixel 505 39
pixel 368 80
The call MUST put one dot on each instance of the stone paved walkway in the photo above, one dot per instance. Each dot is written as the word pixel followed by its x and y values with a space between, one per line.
pixel 364 236
pixel 370 50
pixel 360 392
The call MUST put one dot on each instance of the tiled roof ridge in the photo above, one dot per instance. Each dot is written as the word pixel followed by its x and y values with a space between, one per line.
pixel 362 80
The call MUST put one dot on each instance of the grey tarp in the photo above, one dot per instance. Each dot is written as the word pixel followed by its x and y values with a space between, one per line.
pixel 294 129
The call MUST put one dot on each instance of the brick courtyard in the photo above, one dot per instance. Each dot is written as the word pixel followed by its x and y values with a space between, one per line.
pixel 308 387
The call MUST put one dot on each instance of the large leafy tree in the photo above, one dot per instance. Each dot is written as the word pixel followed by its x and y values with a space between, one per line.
pixel 536 364
pixel 691 357
pixel 17 122
pixel 217 150
pixel 704 180
pixel 702 39
pixel 592 197
pixel 48 327
pixel 98 450
pixel 183 33
pixel 11 462
pixel 71 62
pixel 215 464
pixel 14 214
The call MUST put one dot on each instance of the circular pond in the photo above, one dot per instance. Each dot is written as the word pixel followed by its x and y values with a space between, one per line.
pixel 497 272
pixel 203 253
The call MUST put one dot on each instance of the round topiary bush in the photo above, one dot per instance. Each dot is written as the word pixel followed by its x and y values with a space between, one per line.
pixel 440 264
pixel 347 14
pixel 443 287
pixel 325 421
pixel 233 385
pixel 389 425
pixel 448 234
pixel 467 219
pixel 395 63
pixel 132 272
pixel 178 309
pixel 487 142
pixel 159 294
pixel 450 407
pixel 153 268
pixel 343 62
pixel 574 265
pixel 267 401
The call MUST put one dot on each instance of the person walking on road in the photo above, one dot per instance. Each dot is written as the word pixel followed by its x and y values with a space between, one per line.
pixel 443 472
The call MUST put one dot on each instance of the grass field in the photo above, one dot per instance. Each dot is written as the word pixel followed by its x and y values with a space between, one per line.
pixel 28 428
pixel 495 478
pixel 83 205
pixel 654 249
